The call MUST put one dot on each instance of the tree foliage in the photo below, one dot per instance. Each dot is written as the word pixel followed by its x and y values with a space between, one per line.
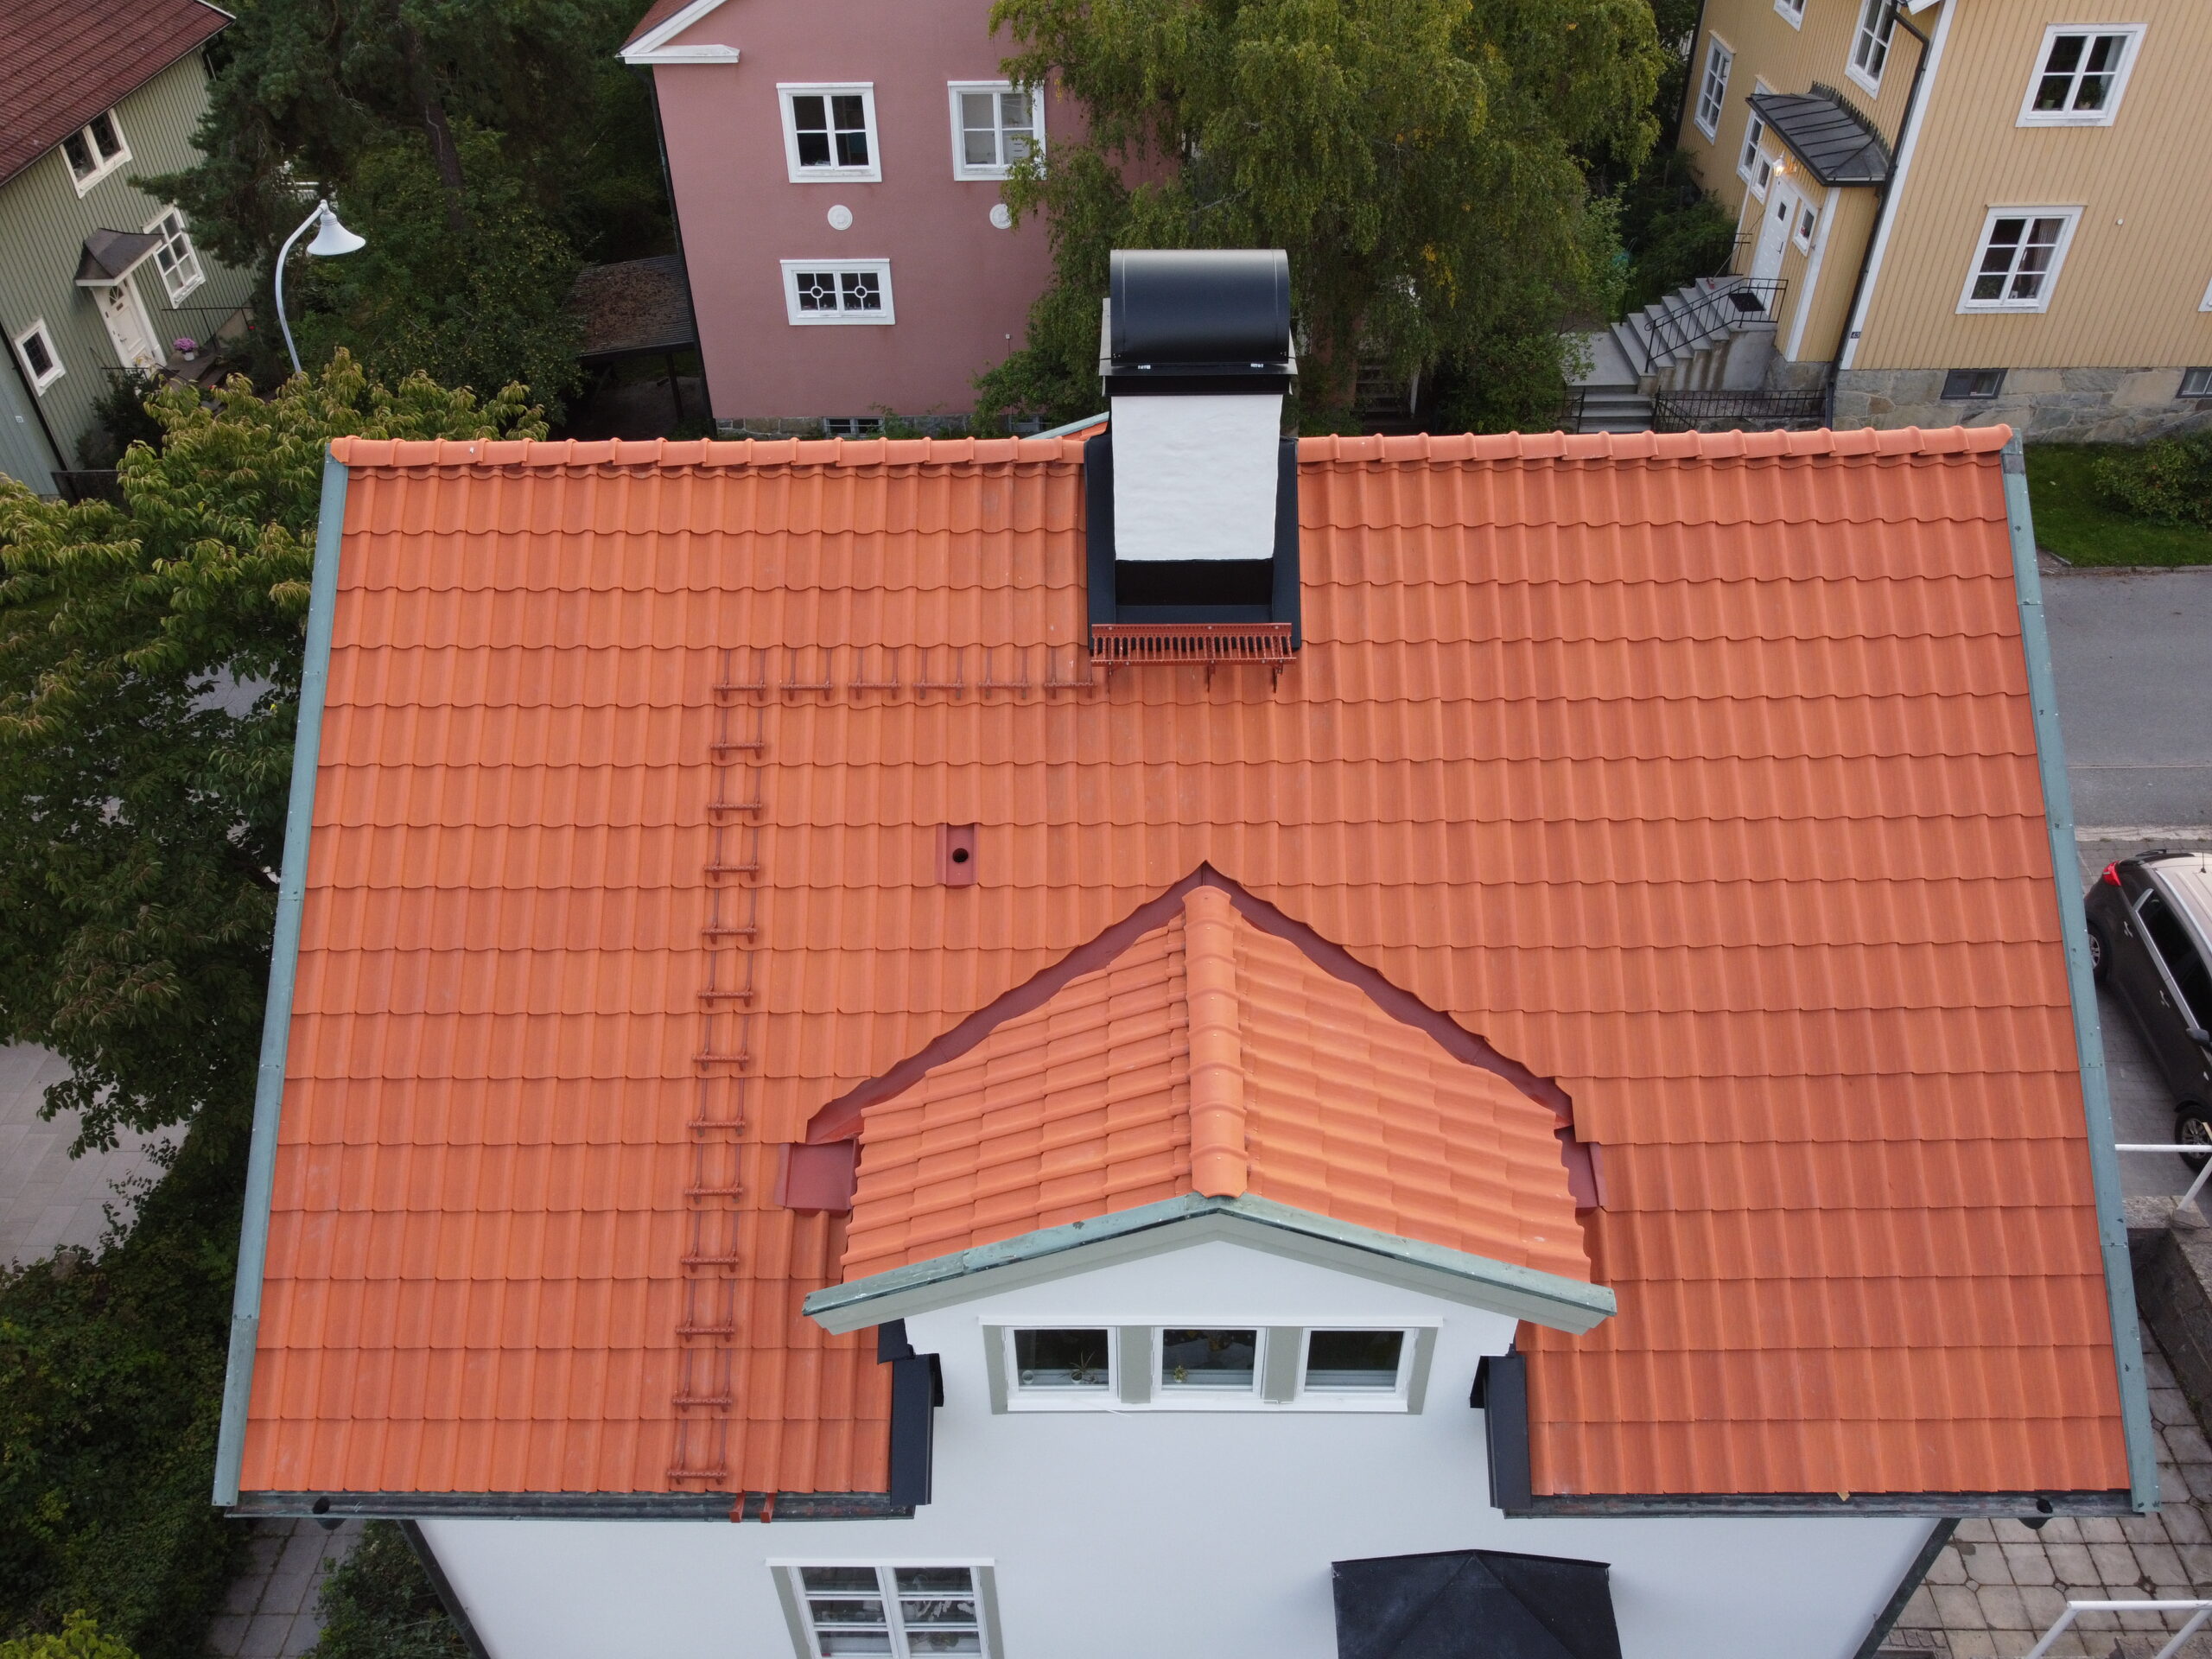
pixel 150 657
pixel 1423 161
pixel 378 1604
pixel 79 1638
pixel 484 146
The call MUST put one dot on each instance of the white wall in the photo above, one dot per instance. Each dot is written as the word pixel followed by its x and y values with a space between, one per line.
pixel 1115 1535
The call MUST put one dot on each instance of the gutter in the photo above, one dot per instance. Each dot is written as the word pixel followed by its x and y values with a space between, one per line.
pixel 2089 1037
pixel 1884 199
pixel 283 967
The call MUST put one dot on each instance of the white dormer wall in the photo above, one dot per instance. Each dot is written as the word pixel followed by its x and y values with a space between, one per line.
pixel 1195 475
pixel 1114 1533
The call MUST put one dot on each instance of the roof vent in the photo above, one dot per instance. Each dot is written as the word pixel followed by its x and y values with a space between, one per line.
pixel 1193 491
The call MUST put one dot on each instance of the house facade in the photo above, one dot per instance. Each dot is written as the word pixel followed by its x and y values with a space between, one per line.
pixel 95 273
pixel 1966 200
pixel 836 172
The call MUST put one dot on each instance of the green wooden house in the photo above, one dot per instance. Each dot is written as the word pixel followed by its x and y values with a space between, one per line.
pixel 95 276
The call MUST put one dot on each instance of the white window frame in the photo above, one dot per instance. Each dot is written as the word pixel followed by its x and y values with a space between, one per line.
pixel 1871 13
pixel 961 167
pixel 1716 50
pixel 39 382
pixel 191 257
pixel 1801 233
pixel 2181 388
pixel 788 89
pixel 1793 12
pixel 1184 1397
pixel 1018 1398
pixel 103 166
pixel 2205 304
pixel 2031 116
pixel 1759 171
pixel 1393 1398
pixel 1970 306
pixel 791 1589
pixel 799 319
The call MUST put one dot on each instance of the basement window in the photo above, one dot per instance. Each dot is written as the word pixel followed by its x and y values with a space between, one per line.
pixel 1960 386
pixel 1213 1361
pixel 1064 1360
pixel 2195 383
pixel 898 1612
pixel 94 150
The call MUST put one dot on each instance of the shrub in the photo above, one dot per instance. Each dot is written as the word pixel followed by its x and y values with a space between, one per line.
pixel 378 1604
pixel 80 1638
pixel 2169 482
pixel 1675 231
pixel 120 418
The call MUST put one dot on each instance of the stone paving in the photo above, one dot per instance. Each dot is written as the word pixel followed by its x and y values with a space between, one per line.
pixel 48 1199
pixel 270 1611
pixel 1998 1585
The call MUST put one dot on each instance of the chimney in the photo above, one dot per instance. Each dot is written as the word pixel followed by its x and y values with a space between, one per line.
pixel 1192 491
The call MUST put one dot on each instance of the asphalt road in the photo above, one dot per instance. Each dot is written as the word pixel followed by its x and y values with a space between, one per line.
pixel 2133 654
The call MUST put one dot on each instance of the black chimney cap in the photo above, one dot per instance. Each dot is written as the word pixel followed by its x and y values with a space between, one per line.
pixel 1210 315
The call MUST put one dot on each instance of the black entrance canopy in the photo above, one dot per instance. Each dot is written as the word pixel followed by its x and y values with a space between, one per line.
pixel 1474 1603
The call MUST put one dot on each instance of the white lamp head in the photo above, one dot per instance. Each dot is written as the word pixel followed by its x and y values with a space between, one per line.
pixel 332 239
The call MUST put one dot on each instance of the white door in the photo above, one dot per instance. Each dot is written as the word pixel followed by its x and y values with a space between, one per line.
pixel 1774 233
pixel 124 314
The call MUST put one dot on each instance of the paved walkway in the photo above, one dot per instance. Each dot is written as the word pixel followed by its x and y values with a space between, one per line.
pixel 270 1612
pixel 48 1199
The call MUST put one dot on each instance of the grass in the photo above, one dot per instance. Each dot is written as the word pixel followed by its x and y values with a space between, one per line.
pixel 2073 521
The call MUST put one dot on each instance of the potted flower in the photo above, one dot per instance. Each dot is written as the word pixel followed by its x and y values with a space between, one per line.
pixel 186 347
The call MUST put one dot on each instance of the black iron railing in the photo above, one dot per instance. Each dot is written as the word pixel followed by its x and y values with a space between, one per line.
pixel 1570 412
pixel 1684 326
pixel 1748 411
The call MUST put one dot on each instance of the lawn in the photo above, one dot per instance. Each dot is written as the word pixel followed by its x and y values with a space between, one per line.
pixel 2074 522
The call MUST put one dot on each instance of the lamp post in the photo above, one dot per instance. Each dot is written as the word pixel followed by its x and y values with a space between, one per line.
pixel 331 240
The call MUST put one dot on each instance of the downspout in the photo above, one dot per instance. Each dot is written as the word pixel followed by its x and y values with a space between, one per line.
pixel 1882 200
pixel 283 969
pixel 2082 993
pixel 38 409
pixel 676 219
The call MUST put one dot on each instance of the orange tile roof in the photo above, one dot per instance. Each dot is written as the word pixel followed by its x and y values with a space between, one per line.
pixel 1210 1057
pixel 1694 774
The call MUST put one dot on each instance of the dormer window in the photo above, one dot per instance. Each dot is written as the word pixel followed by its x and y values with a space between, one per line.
pixel 1208 1367
pixel 94 150
pixel 1362 1361
pixel 1219 1362
pixel 1064 1360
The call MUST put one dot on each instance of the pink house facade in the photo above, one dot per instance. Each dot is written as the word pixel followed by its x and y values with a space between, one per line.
pixel 837 168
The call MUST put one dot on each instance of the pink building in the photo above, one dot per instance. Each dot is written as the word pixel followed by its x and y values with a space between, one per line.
pixel 836 168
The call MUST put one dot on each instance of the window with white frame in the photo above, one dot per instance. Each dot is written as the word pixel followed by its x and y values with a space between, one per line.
pixel 888 1609
pixel 1713 86
pixel 1065 1364
pixel 2016 261
pixel 1870 42
pixel 178 259
pixel 1364 1363
pixel 2195 383
pixel 1172 1368
pixel 995 124
pixel 1793 10
pixel 2080 76
pixel 35 350
pixel 1801 232
pixel 838 292
pixel 830 132
pixel 1751 166
pixel 94 150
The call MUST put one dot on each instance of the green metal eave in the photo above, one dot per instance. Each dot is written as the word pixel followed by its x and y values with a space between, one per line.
pixel 2082 991
pixel 284 966
pixel 1548 1298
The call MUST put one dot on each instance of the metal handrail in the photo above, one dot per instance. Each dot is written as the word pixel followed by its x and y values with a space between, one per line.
pixel 1680 328
pixel 2203 1152
pixel 2074 1609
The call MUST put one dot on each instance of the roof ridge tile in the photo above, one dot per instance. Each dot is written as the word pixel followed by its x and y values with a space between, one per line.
pixel 1220 1164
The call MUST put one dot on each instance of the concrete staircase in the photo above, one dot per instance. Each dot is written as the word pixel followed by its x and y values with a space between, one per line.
pixel 1698 339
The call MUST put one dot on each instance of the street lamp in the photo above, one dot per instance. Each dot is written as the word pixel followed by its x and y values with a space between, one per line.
pixel 331 240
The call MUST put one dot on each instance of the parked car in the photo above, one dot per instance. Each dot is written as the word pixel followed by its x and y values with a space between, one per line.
pixel 2151 940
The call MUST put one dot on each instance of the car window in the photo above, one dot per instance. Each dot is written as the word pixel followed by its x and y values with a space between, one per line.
pixel 2173 943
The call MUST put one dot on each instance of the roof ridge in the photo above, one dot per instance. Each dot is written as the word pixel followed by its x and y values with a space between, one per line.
pixel 1220 1159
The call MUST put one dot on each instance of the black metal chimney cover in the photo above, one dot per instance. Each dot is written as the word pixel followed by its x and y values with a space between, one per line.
pixel 1474 1603
pixel 1177 311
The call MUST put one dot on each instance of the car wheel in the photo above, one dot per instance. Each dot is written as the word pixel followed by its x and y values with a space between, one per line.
pixel 2100 953
pixel 2193 1128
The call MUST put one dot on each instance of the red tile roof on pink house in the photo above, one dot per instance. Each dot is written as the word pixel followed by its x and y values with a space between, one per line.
pixel 1695 777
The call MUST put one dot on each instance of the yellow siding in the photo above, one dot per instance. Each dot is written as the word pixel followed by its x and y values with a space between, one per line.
pixel 2135 275
pixel 1853 223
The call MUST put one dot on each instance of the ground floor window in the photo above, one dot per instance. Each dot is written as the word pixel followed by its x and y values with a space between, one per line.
pixel 876 1609
pixel 178 259
pixel 35 347
pixel 2017 262
pixel 837 291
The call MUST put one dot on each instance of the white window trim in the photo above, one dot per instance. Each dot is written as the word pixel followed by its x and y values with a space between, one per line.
pixel 799 319
pixel 2205 304
pixel 1750 175
pixel 872 174
pixel 103 168
pixel 1793 12
pixel 199 265
pixel 1390 1399
pixel 1714 45
pixel 1183 1397
pixel 1065 1398
pixel 1851 69
pixel 1969 306
pixel 791 1589
pixel 39 382
pixel 1804 210
pixel 2031 116
pixel 1159 1395
pixel 961 169
pixel 2180 386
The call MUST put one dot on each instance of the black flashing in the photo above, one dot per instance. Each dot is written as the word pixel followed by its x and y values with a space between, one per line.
pixel 1474 1603
pixel 1502 1389
pixel 916 1391
pixel 1834 140
pixel 1211 321
pixel 576 1506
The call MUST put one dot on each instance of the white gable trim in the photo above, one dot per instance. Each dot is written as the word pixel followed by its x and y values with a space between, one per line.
pixel 652 46
pixel 1546 1299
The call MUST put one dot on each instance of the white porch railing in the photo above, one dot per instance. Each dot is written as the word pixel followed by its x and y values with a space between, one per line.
pixel 2195 1186
pixel 2201 1610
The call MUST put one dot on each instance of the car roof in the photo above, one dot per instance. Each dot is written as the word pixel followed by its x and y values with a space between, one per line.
pixel 2188 877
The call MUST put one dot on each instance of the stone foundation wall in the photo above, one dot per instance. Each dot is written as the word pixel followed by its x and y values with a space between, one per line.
pixel 815 426
pixel 2048 406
